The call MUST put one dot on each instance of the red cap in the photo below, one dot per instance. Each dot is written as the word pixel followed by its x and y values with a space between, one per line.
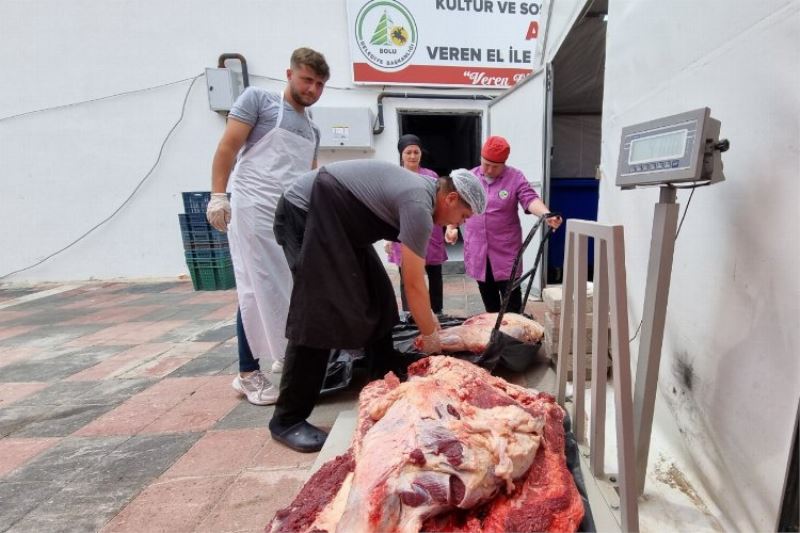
pixel 496 149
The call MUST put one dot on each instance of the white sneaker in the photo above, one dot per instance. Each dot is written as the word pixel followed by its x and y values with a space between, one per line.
pixel 277 367
pixel 257 388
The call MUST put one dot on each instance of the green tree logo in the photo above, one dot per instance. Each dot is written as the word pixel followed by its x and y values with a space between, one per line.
pixel 381 34
pixel 393 38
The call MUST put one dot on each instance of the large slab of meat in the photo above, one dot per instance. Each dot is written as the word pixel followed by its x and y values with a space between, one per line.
pixel 452 449
pixel 473 335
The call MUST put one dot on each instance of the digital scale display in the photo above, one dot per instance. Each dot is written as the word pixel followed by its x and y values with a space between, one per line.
pixel 664 146
pixel 666 150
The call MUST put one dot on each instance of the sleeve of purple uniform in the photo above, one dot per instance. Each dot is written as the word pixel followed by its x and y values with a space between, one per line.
pixel 525 193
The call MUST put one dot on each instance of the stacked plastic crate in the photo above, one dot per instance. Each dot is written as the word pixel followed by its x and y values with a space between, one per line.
pixel 208 256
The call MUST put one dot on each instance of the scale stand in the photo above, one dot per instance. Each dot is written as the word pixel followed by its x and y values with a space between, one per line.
pixel 654 312
pixel 678 150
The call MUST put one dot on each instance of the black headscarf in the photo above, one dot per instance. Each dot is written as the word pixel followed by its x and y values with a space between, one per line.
pixel 408 140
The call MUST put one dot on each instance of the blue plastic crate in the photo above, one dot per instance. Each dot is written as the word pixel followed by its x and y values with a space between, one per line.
pixel 202 238
pixel 200 245
pixel 196 229
pixel 196 202
pixel 208 253
pixel 193 220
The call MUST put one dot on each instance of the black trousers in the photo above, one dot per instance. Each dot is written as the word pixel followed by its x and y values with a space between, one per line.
pixel 304 367
pixel 304 373
pixel 492 292
pixel 435 288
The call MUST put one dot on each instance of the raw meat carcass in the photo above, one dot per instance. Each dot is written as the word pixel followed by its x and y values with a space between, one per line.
pixel 452 449
pixel 473 335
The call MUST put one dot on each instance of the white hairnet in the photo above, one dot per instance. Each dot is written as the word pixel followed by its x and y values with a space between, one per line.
pixel 470 189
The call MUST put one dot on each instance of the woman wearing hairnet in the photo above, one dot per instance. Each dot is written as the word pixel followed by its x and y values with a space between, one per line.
pixel 493 239
pixel 327 223
pixel 410 148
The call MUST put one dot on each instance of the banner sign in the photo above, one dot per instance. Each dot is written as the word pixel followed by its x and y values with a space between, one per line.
pixel 456 43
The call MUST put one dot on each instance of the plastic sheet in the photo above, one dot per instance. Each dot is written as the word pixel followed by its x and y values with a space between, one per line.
pixel 340 370
pixel 574 466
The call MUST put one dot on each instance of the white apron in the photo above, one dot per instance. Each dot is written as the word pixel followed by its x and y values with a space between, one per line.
pixel 263 279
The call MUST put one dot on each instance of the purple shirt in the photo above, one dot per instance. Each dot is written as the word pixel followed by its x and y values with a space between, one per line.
pixel 497 233
pixel 436 254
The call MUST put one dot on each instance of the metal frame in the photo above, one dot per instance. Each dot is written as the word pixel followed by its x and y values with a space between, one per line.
pixel 610 295
pixel 654 314
pixel 548 163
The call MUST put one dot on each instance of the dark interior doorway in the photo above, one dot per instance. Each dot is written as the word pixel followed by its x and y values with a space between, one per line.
pixel 450 140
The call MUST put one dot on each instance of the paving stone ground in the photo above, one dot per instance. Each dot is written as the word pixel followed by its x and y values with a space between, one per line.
pixel 117 414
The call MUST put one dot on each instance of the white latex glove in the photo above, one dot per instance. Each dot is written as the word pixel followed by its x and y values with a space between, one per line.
pixel 451 235
pixel 218 211
pixel 429 344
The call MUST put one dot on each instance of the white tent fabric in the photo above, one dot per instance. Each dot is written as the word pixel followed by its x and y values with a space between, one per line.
pixel 730 375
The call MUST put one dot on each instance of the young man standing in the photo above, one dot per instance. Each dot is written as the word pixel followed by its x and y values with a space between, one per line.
pixel 278 142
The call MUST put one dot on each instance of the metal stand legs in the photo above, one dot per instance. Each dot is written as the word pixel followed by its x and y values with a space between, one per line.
pixel 659 274
pixel 610 298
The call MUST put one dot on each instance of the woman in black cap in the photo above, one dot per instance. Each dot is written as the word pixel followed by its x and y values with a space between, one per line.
pixel 410 148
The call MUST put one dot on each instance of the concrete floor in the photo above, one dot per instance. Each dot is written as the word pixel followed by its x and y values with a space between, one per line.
pixel 117 414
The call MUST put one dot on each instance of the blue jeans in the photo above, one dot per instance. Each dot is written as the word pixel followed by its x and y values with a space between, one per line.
pixel 247 363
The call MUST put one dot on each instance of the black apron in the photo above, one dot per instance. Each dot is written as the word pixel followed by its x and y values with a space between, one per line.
pixel 342 296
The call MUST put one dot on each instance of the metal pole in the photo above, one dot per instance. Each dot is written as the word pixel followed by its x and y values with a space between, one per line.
pixel 659 273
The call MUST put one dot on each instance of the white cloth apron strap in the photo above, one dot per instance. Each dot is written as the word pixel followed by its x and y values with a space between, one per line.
pixel 263 279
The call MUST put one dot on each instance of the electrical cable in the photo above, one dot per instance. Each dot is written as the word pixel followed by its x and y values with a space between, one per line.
pixel 124 93
pixel 283 80
pixel 637 332
pixel 327 86
pixel 130 196
pixel 685 210
pixel 678 232
pixel 134 91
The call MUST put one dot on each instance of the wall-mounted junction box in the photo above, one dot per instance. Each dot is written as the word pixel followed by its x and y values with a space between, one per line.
pixel 344 127
pixel 224 87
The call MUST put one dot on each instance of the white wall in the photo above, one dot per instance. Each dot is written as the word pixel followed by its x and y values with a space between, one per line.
pixel 64 170
pixel 729 370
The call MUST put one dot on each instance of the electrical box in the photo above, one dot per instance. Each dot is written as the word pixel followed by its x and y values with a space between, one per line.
pixel 224 87
pixel 344 127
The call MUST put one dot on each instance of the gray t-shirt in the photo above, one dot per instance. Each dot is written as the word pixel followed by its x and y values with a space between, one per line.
pixel 259 108
pixel 402 199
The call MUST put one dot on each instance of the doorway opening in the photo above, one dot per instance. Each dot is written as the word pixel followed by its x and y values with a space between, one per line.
pixel 450 140
pixel 578 73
